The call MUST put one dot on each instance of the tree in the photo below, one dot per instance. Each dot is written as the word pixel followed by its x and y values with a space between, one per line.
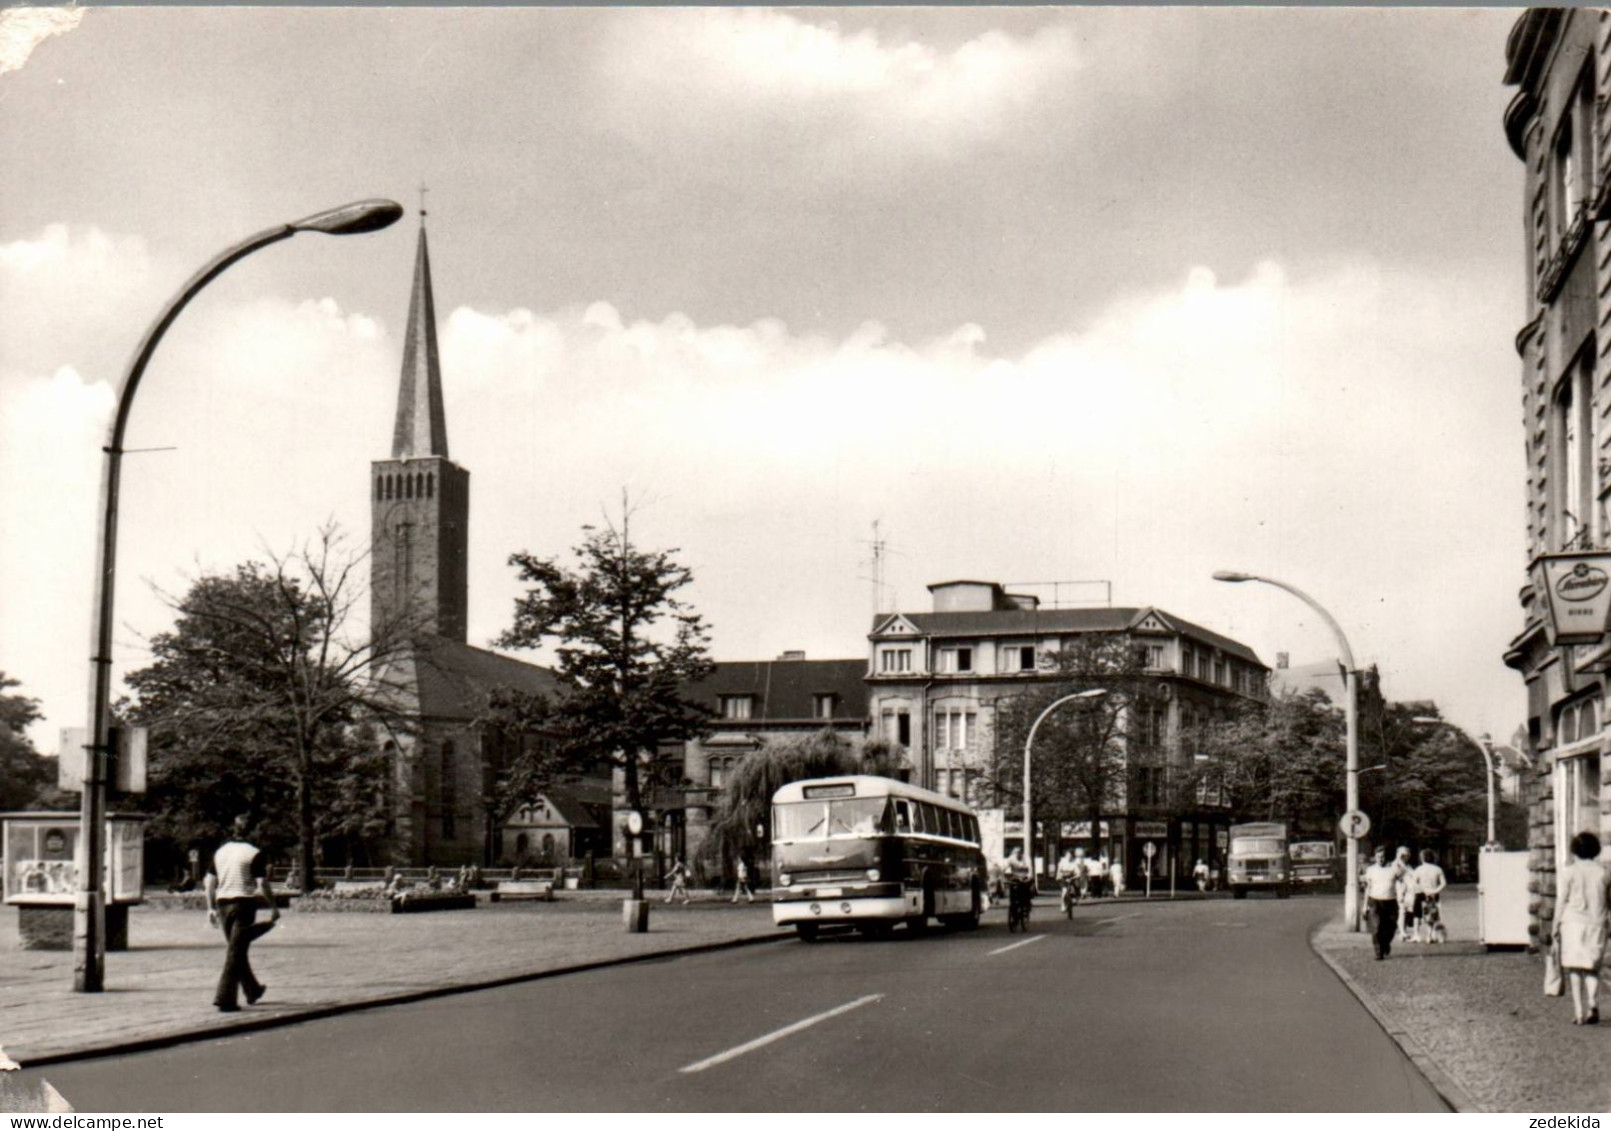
pixel 745 802
pixel 263 699
pixel 625 645
pixel 1283 762
pixel 26 776
pixel 1084 752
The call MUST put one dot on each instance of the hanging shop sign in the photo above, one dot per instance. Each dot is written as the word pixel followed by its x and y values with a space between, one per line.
pixel 1575 591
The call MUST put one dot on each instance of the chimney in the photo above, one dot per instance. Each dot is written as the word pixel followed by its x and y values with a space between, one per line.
pixel 792 655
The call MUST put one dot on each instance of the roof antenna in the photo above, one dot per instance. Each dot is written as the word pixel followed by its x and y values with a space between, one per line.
pixel 423 191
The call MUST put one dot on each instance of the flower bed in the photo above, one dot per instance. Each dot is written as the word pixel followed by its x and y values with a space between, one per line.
pixel 337 899
pixel 417 900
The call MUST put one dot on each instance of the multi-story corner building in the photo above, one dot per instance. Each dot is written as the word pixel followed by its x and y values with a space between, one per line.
pixel 935 680
pixel 1557 125
pixel 754 701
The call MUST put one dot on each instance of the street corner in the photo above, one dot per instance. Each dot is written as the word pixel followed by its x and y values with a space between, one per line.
pixel 26 1093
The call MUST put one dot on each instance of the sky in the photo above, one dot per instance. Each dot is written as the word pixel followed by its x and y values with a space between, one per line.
pixel 1114 297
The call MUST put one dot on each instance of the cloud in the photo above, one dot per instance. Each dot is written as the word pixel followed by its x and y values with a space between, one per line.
pixel 23 29
pixel 1298 424
pixel 807 87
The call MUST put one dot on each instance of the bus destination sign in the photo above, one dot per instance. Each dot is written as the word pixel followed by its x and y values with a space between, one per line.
pixel 818 792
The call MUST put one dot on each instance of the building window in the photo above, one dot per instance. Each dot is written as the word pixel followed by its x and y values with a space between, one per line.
pixel 897 727
pixel 1017 658
pixel 719 770
pixel 956 660
pixel 737 706
pixel 1572 163
pixel 1219 672
pixel 895 660
pixel 954 729
pixel 1573 444
pixel 1154 657
pixel 822 706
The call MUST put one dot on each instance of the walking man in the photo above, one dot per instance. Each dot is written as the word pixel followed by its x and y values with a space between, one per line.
pixel 1381 888
pixel 236 880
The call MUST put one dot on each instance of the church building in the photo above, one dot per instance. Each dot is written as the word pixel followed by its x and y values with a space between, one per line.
pixel 441 774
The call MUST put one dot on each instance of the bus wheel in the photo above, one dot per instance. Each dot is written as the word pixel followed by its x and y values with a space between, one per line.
pixel 806 931
pixel 1283 892
pixel 1238 893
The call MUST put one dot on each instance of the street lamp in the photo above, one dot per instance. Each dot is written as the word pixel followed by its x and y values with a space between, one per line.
pixel 1351 714
pixel 1029 742
pixel 89 905
pixel 1485 744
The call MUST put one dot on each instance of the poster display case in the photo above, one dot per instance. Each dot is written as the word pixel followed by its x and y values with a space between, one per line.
pixel 42 858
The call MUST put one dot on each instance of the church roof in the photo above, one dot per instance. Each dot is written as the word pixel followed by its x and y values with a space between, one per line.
pixel 455 678
pixel 421 428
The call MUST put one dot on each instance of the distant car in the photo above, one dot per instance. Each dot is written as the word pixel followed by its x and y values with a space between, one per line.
pixel 1314 865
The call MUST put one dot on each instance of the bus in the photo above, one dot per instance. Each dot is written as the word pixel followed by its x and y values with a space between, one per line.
pixel 873 852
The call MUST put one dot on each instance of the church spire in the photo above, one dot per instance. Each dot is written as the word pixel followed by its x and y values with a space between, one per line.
pixel 421 428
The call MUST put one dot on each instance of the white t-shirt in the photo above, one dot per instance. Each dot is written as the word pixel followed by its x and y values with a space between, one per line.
pixel 1381 879
pixel 238 867
pixel 1429 879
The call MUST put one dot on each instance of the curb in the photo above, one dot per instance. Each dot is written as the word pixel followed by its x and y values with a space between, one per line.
pixel 317 1013
pixel 1458 1099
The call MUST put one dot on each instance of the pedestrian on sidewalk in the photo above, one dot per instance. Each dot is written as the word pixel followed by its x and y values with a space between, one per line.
pixel 1429 881
pixel 1381 889
pixel 743 884
pixel 1116 877
pixel 1199 873
pixel 1581 901
pixel 236 879
pixel 679 881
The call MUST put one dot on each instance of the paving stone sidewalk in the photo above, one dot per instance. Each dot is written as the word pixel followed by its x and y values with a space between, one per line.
pixel 161 987
pixel 1477 1022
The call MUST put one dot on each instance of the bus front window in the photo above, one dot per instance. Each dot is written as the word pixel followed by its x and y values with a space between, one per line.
pixel 864 816
pixel 799 820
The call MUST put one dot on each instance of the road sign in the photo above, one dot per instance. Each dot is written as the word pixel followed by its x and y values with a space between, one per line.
pixel 634 821
pixel 1354 824
pixel 1149 850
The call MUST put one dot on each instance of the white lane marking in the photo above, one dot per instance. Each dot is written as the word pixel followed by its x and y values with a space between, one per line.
pixel 778 1035
pixel 1016 945
pixel 1118 918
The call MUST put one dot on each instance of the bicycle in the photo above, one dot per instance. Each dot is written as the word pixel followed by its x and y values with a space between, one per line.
pixel 1070 897
pixel 1020 898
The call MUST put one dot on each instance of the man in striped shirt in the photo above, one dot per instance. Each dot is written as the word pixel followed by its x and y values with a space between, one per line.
pixel 236 879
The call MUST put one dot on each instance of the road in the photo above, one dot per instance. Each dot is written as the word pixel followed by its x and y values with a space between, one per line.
pixel 1190 1006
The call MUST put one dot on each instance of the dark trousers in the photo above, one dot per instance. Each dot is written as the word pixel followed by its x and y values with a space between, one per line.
pixel 238 919
pixel 1385 913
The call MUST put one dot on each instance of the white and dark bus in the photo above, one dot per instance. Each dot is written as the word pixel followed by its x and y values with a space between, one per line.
pixel 873 852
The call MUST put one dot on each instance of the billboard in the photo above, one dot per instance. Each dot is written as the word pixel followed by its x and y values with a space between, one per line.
pixel 1575 593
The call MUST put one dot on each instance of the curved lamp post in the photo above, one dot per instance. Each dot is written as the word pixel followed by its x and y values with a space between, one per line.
pixel 1485 744
pixel 1351 713
pixel 89 905
pixel 1029 743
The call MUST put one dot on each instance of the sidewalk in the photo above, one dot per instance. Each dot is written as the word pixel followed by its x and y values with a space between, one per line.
pixel 1476 1023
pixel 315 963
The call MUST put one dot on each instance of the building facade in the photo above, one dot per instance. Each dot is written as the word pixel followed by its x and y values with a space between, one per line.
pixel 936 679
pixel 1556 125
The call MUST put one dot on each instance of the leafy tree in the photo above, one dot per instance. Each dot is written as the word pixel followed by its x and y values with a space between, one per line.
pixel 745 802
pixel 1084 751
pixel 26 776
pixel 262 700
pixel 625 646
pixel 1282 763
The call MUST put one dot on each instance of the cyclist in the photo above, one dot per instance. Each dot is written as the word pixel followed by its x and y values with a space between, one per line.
pixel 1070 873
pixel 1016 873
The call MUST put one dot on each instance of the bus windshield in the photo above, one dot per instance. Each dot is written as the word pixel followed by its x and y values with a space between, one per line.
pixel 815 820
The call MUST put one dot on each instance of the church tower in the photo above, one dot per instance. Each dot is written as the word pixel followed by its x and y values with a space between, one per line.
pixel 420 499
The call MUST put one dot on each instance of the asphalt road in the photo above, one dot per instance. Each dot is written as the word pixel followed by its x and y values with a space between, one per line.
pixel 1192 1006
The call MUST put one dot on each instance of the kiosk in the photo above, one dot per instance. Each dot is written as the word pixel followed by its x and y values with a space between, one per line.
pixel 41 875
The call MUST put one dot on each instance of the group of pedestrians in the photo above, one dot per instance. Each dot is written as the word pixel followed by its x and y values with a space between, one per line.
pixel 1083 877
pixel 1404 899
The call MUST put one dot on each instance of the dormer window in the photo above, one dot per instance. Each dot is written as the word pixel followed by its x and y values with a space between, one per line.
pixel 737 706
pixel 956 660
pixel 822 705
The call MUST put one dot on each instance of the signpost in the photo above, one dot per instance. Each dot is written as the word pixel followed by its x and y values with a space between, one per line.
pixel 1354 824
